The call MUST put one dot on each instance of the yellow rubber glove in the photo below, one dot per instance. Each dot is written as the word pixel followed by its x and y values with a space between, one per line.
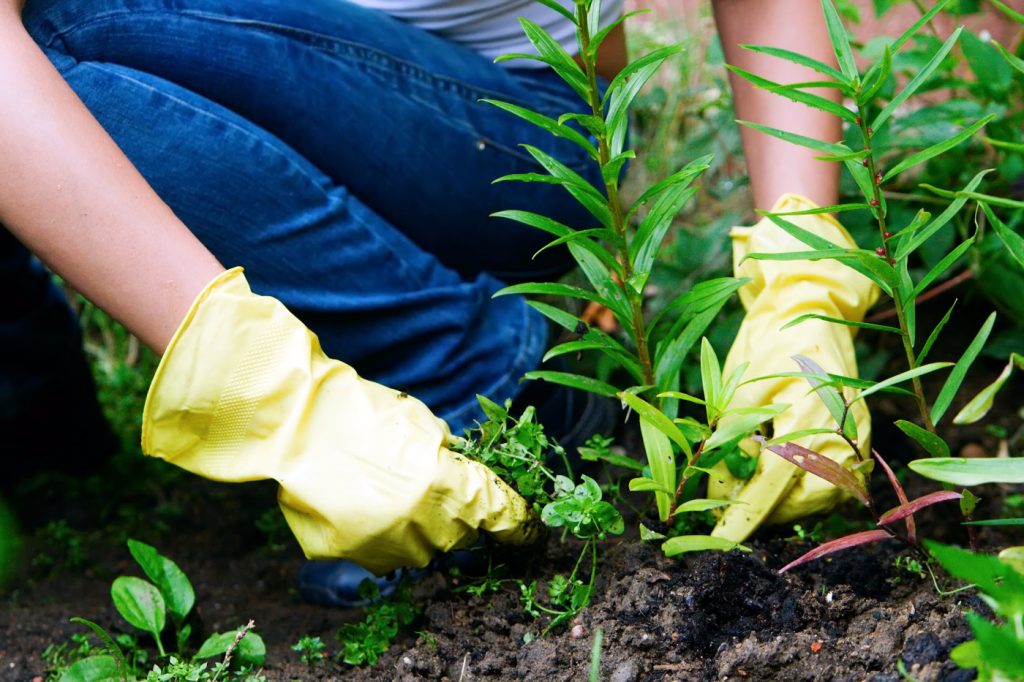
pixel 778 292
pixel 244 392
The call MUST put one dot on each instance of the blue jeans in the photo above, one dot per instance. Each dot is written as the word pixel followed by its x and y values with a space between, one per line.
pixel 343 158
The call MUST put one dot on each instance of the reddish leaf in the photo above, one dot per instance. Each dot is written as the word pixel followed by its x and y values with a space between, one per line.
pixel 905 510
pixel 900 494
pixel 845 542
pixel 823 467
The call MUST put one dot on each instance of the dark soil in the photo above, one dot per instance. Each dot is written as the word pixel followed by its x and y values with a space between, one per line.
pixel 852 616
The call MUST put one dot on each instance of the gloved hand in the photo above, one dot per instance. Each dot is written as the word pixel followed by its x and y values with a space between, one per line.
pixel 778 292
pixel 244 392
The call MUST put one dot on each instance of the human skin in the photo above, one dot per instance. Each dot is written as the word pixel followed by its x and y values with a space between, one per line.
pixel 75 200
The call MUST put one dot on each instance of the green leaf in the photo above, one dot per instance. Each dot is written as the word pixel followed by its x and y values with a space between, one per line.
pixel 598 340
pixel 956 377
pixel 93 669
pixel 172 582
pixel 980 404
pixel 818 378
pixel 740 423
pixel 670 354
pixel 611 171
pixel 838 208
pixel 574 381
pixel 565 320
pixel 662 463
pixel 598 38
pixel 991 71
pixel 658 420
pixel 624 88
pixel 1012 59
pixel 120 663
pixel 580 189
pixel 880 75
pixel 933 337
pixel 796 95
pixel 703 505
pixel 801 140
pixel 917 81
pixel 251 651
pixel 971 471
pixel 699 543
pixel 1013 242
pixel 711 379
pixel 139 602
pixel 977 196
pixel 546 123
pixel 840 41
pixel 549 289
pixel 797 58
pixel 993 577
pixel 947 261
pixel 684 175
pixel 647 242
pixel 648 485
pixel 560 8
pixel 839 320
pixel 933 445
pixel 1005 9
pixel 216 644
pixel 901 377
pixel 1001 646
pixel 936 149
pixel 648 535
pixel 908 246
pixel 555 56
pixel 585 236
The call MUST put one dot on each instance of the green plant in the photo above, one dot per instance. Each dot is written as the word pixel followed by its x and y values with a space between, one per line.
pixel 875 109
pixel 617 257
pixel 364 642
pixel 519 451
pixel 997 650
pixel 147 606
pixel 61 548
pixel 273 525
pixel 311 650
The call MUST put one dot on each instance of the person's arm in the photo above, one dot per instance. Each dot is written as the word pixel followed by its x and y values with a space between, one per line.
pixel 777 167
pixel 75 200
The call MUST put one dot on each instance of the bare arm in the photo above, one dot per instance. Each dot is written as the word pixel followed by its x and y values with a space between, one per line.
pixel 777 167
pixel 70 195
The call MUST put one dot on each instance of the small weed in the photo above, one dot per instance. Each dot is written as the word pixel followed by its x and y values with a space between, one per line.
pixel 61 548
pixel 907 566
pixel 311 650
pixel 272 524
pixel 365 642
pixel 148 606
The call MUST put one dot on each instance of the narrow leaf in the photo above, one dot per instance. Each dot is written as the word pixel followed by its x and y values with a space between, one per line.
pixel 932 444
pixel 933 337
pixel 658 420
pixel 574 381
pixel 947 261
pixel 797 58
pixel 699 543
pixel 956 377
pixel 828 395
pixel 683 176
pixel 1013 242
pixel 801 140
pixel 901 377
pixel 901 495
pixel 862 538
pixel 839 320
pixel 799 96
pixel 742 424
pixel 936 149
pixel 546 123
pixel 979 406
pixel 840 41
pixel 648 485
pixel 823 468
pixel 702 505
pixel 662 463
pixel 550 289
pixel 838 208
pixel 904 510
pixel 971 471
pixel 917 81
pixel 565 320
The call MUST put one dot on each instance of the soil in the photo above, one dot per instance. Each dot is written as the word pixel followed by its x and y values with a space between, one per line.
pixel 711 616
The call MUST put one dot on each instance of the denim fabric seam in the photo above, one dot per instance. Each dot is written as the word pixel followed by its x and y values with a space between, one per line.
pixel 327 188
pixel 370 59
pixel 320 41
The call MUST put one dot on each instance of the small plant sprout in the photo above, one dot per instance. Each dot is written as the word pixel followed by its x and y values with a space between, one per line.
pixel 311 650
pixel 148 605
pixel 363 643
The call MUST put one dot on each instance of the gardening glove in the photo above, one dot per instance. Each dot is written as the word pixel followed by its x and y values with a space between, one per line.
pixel 778 292
pixel 244 393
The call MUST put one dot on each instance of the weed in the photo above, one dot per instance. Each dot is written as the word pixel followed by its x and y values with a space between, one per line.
pixel 273 525
pixel 311 650
pixel 365 642
pixel 147 606
pixel 61 548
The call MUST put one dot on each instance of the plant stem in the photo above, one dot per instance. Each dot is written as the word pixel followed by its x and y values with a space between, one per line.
pixel 635 298
pixel 883 230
